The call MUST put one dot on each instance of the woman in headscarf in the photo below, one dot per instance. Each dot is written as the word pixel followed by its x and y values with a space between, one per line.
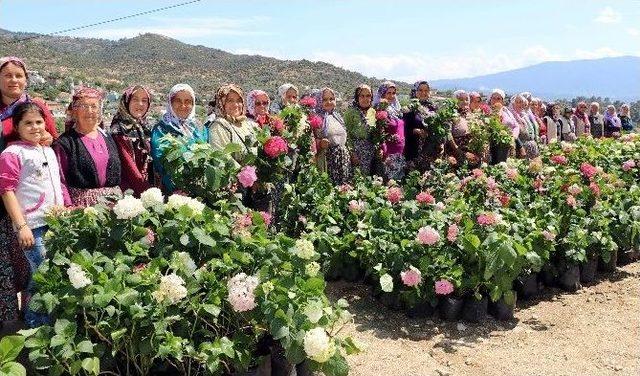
pixel 231 124
pixel 359 118
pixel 88 157
pixel 287 94
pixel 179 120
pixel 528 135
pixel 258 111
pixel 612 123
pixel 581 119
pixel 537 111
pixel 333 154
pixel 131 132
pixel 13 84
pixel 394 160
pixel 625 118
pixel 458 144
pixel 414 130
pixel 596 120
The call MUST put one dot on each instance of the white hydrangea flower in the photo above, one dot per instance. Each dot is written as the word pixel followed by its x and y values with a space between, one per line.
pixel 187 262
pixel 128 207
pixel 312 269
pixel 184 239
pixel 386 282
pixel 304 249
pixel 242 292
pixel 177 201
pixel 313 311
pixel 90 210
pixel 152 198
pixel 77 276
pixel 171 289
pixel 318 346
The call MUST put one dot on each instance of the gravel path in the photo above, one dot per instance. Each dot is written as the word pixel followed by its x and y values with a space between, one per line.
pixel 595 331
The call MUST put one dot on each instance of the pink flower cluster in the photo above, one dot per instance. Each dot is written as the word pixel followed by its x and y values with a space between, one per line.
pixel 504 199
pixel 345 188
pixel 247 176
pixel 491 184
pixel 588 170
pixel 452 232
pixel 550 236
pixel 150 238
pixel 275 147
pixel 488 219
pixel 443 287
pixel 594 188
pixel 266 217
pixel 394 195
pixel 559 159
pixel 574 190
pixel 308 102
pixel 411 277
pixel 277 124
pixel 628 165
pixel 427 236
pixel 512 173
pixel 571 201
pixel 477 173
pixel 381 115
pixel 315 121
pixel 425 198
pixel 241 292
pixel 356 207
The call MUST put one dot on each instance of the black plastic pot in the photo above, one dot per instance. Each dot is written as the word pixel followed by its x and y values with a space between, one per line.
pixel 475 310
pixel 609 266
pixel 420 310
pixel 627 256
pixel 450 308
pixel 499 153
pixel 351 271
pixel 527 285
pixel 262 369
pixel 501 310
pixel 588 269
pixel 280 366
pixel 391 300
pixel 548 275
pixel 302 369
pixel 569 278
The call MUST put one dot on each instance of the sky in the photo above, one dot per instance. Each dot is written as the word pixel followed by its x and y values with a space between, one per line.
pixel 396 39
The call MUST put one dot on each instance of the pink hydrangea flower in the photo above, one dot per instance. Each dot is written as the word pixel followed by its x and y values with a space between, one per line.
pixel 344 188
pixel 275 147
pixel 574 190
pixel 595 189
pixel 266 217
pixel 550 236
pixel 241 292
pixel 411 277
pixel 477 173
pixel 443 287
pixel 427 236
pixel 315 121
pixel 247 176
pixel 512 173
pixel 425 198
pixel 308 102
pixel 588 170
pixel 277 124
pixel 628 165
pixel 394 195
pixel 487 219
pixel 356 207
pixel 491 184
pixel 452 232
pixel 504 199
pixel 439 206
pixel 381 115
pixel 571 201
pixel 559 159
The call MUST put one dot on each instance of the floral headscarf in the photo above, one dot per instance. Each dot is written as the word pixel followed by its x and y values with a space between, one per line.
pixel 79 93
pixel 278 104
pixel 173 121
pixel 7 111
pixel 123 122
pixel 251 101
pixel 356 95
pixel 416 85
pixel 221 99
pixel 394 108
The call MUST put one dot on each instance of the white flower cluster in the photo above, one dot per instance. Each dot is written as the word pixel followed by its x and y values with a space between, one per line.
pixel 312 269
pixel 77 276
pixel 171 289
pixel 241 292
pixel 91 211
pixel 152 198
pixel 386 282
pixel 177 201
pixel 128 207
pixel 318 345
pixel 314 310
pixel 303 249
pixel 187 262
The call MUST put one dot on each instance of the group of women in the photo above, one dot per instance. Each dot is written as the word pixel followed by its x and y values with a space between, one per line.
pixel 92 161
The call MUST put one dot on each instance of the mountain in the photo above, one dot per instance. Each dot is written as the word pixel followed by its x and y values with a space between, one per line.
pixel 160 62
pixel 614 77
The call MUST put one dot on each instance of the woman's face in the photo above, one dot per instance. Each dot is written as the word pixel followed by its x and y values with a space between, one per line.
pixel 496 100
pixel 611 110
pixel 474 102
pixel 328 101
pixel 261 105
pixel 423 92
pixel 519 103
pixel 87 113
pixel 390 95
pixel 364 98
pixel 556 110
pixel 595 108
pixel 233 105
pixel 31 127
pixel 624 111
pixel 182 104
pixel 463 101
pixel 291 96
pixel 139 104
pixel 12 82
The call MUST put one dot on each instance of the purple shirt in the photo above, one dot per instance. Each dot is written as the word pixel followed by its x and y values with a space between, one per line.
pixel 395 128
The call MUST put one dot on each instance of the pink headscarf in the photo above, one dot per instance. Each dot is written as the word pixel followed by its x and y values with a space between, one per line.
pixel 251 101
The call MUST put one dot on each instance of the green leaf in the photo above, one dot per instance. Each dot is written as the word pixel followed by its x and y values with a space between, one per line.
pixel 203 238
pixel 350 346
pixel 213 309
pixel 118 333
pixel 58 340
pixel 10 347
pixel 91 365
pixel 85 347
pixel 13 369
pixel 336 366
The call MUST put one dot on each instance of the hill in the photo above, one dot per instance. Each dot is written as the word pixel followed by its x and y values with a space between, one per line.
pixel 615 78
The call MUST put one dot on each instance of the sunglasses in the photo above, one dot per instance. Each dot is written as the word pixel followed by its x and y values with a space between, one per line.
pixel 261 103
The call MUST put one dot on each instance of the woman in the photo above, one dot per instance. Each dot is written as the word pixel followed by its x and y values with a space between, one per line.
pixel 567 127
pixel 231 124
pixel 475 101
pixel 394 160
pixel 458 144
pixel 596 120
pixel 625 118
pixel 359 118
pixel 612 123
pixel 333 155
pixel 13 83
pixel 528 135
pixel 581 120
pixel 415 132
pixel 131 133
pixel 179 120
pixel 537 111
pixel 258 111
pixel 88 157
pixel 287 94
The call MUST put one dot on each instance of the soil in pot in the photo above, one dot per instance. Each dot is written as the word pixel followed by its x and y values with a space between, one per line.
pixel 450 308
pixel 609 266
pixel 527 285
pixel 569 278
pixel 475 310
pixel 588 269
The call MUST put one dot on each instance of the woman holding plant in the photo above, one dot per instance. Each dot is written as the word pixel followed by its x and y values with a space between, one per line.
pixel 414 127
pixel 458 144
pixel 287 94
pixel 359 119
pixel 528 135
pixel 393 148
pixel 333 154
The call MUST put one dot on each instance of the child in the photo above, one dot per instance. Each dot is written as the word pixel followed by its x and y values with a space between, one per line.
pixel 30 185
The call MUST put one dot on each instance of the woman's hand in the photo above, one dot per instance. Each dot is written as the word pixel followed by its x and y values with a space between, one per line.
pixel 323 143
pixel 25 237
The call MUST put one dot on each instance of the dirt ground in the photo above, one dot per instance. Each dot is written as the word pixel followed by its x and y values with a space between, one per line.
pixel 594 331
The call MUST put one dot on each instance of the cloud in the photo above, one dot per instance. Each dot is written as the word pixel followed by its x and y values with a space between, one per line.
pixel 608 16
pixel 177 28
pixel 633 32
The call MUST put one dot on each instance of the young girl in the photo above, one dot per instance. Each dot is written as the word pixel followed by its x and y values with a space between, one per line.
pixel 30 185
